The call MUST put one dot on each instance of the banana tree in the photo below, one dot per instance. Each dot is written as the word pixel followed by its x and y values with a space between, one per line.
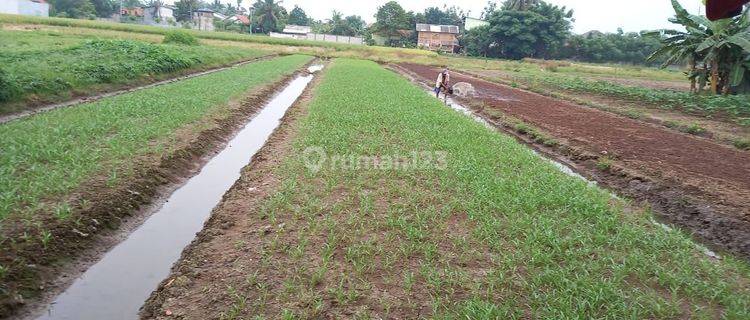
pixel 722 47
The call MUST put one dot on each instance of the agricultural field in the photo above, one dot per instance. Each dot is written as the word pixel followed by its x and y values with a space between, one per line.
pixel 582 191
pixel 427 213
pixel 54 164
pixel 42 66
pixel 658 96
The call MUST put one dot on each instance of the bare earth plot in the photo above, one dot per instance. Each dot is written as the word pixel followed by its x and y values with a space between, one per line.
pixel 700 168
pixel 483 229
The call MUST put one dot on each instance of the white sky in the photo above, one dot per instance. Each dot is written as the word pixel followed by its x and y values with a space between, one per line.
pixel 602 15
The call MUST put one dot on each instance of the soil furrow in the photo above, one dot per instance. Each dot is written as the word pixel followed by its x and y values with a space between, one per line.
pixel 692 181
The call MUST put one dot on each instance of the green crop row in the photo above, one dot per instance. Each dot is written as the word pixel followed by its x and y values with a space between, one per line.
pixel 734 106
pixel 49 66
pixel 49 154
pixel 388 190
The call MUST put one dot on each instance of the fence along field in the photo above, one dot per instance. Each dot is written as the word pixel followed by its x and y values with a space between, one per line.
pixel 38 66
pixel 494 232
pixel 46 157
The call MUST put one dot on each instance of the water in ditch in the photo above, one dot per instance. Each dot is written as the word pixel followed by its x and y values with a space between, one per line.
pixel 117 285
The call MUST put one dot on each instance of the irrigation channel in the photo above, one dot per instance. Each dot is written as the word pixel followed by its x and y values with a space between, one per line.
pixel 117 285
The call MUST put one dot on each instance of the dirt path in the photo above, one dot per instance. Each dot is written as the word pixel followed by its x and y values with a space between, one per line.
pixel 699 167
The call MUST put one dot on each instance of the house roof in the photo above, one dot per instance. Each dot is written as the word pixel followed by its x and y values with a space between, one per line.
pixel 240 18
pixel 404 32
pixel 204 10
pixel 164 6
pixel 291 28
pixel 423 27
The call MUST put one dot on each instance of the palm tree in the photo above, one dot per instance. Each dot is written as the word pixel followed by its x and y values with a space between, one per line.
pixel 723 47
pixel 266 12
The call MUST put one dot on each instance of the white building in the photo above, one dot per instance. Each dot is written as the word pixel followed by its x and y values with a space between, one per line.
pixel 471 23
pixel 38 8
pixel 203 19
pixel 292 31
pixel 158 15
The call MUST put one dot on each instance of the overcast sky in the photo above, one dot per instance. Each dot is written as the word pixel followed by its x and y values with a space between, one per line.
pixel 603 15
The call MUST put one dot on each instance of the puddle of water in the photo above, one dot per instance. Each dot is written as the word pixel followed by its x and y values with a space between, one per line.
pixel 315 68
pixel 117 285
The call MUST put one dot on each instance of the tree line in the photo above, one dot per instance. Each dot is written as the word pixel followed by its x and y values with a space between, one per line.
pixel 517 29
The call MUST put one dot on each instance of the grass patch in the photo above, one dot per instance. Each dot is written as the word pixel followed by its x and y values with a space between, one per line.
pixel 735 107
pixel 47 66
pixel 497 232
pixel 742 144
pixel 180 37
pixel 51 153
pixel 604 163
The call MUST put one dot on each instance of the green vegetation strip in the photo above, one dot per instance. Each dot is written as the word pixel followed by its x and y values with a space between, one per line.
pixel 497 233
pixel 52 153
pixel 735 106
pixel 228 36
pixel 51 65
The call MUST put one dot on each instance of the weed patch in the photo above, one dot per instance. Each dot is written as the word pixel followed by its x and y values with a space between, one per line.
pixel 180 37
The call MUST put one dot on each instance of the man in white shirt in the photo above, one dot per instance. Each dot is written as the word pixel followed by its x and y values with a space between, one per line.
pixel 442 83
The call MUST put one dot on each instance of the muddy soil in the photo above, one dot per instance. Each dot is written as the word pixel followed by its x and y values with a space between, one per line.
pixel 691 181
pixel 718 128
pixel 102 215
pixel 208 260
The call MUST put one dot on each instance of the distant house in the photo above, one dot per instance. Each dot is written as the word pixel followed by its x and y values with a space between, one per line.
pixel 592 34
pixel 38 8
pixel 292 31
pixel 384 40
pixel 238 18
pixel 219 15
pixel 203 19
pixel 158 15
pixel 471 23
pixel 133 12
pixel 437 37
pixel 305 33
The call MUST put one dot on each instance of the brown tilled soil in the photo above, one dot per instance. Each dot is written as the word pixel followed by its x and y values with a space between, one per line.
pixel 689 180
pixel 718 128
pixel 102 214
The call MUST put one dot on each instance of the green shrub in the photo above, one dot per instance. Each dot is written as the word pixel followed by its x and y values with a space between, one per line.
pixel 742 144
pixel 180 37
pixel 604 163
pixel 8 87
pixel 694 129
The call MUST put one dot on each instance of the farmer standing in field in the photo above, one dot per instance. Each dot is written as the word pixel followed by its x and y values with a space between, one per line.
pixel 442 83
